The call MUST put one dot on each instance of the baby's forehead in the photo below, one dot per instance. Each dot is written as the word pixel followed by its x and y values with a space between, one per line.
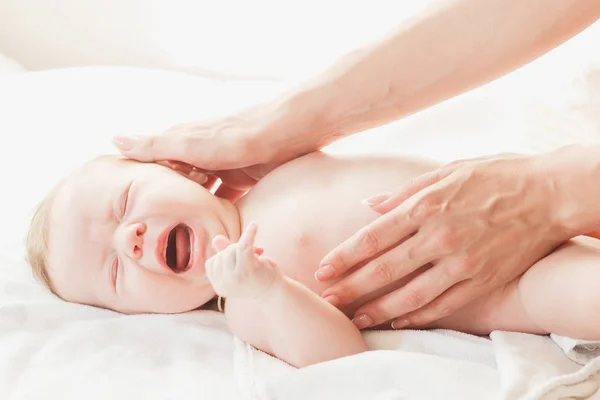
pixel 109 161
pixel 92 178
pixel 102 168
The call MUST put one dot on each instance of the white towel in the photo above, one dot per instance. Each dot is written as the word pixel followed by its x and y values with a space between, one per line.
pixel 437 364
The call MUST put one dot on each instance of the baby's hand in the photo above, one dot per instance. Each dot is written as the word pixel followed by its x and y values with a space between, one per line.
pixel 238 270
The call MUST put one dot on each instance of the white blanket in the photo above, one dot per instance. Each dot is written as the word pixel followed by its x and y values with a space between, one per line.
pixel 426 365
pixel 53 350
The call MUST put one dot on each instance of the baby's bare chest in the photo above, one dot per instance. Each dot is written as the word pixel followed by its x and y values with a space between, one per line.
pixel 298 232
pixel 311 205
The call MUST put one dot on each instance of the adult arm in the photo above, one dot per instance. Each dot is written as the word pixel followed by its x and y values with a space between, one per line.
pixel 447 49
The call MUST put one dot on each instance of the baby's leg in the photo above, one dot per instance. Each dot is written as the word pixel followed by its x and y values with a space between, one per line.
pixel 559 294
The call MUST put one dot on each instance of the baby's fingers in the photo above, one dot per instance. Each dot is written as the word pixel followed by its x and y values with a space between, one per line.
pixel 269 262
pixel 220 243
pixel 247 239
pixel 211 269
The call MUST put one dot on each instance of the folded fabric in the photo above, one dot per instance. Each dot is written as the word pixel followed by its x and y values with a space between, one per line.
pixel 437 364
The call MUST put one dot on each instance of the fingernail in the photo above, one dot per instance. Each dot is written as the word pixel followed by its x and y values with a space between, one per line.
pixel 362 321
pixel 376 200
pixel 124 143
pixel 174 165
pixel 399 323
pixel 333 300
pixel 324 273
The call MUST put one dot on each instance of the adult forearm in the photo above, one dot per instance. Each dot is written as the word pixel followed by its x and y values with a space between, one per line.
pixel 449 48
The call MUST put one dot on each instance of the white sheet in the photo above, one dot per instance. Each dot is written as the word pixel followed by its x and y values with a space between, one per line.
pixel 9 66
pixel 49 349
pixel 426 365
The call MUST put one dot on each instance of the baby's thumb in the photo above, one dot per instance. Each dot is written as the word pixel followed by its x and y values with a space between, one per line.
pixel 220 243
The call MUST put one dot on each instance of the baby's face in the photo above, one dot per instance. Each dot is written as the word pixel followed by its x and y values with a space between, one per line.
pixel 134 237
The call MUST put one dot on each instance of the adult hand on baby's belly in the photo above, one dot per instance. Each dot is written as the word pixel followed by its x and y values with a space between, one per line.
pixel 480 223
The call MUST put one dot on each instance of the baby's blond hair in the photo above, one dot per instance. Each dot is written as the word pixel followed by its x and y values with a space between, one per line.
pixel 37 239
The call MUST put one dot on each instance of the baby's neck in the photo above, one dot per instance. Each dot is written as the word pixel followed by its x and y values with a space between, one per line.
pixel 240 207
pixel 232 220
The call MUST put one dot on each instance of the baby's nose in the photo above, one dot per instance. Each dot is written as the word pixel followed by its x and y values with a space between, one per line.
pixel 134 239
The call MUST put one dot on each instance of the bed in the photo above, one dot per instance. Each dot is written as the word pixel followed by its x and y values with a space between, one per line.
pixel 53 350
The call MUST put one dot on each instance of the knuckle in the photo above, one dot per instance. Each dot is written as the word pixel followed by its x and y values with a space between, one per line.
pixel 465 265
pixel 490 279
pixel 419 320
pixel 369 241
pixel 383 272
pixel 442 310
pixel 150 142
pixel 447 240
pixel 345 293
pixel 415 299
pixel 424 208
pixel 379 311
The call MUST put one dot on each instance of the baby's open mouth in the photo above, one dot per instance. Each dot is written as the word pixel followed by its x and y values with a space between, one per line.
pixel 179 248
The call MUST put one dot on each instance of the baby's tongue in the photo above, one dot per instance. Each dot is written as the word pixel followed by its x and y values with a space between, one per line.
pixel 182 239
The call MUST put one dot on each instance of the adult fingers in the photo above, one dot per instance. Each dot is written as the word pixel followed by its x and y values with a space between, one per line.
pixel 379 235
pixel 210 182
pixel 192 173
pixel 384 203
pixel 384 270
pixel 446 304
pixel 228 193
pixel 420 291
pixel 236 179
pixel 393 227
pixel 149 148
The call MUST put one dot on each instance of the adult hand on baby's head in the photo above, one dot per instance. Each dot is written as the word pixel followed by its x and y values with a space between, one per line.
pixel 239 149
pixel 478 224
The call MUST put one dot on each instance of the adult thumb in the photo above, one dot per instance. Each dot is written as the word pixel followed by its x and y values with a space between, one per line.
pixel 147 148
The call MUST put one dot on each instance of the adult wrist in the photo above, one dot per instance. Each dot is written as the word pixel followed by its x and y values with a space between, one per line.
pixel 572 174
pixel 289 126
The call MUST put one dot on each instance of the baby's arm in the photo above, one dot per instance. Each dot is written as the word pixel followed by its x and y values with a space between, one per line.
pixel 276 314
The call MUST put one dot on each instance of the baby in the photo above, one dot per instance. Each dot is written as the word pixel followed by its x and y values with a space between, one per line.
pixel 141 238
